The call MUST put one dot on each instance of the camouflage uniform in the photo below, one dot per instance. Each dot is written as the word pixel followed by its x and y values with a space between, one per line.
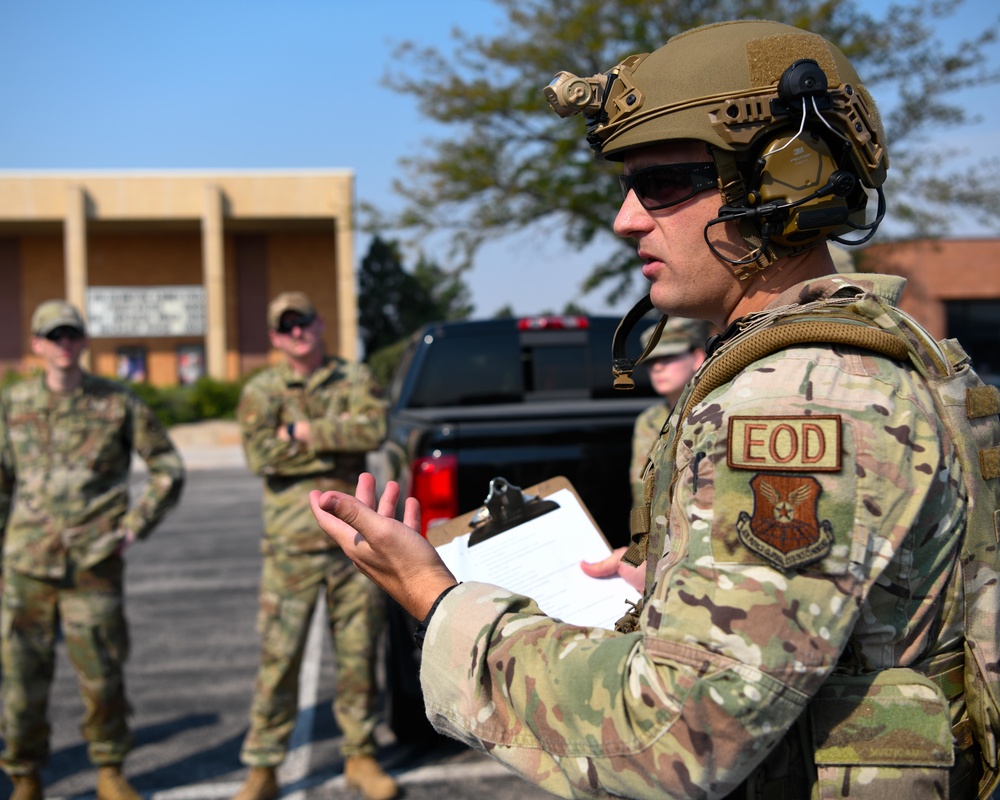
pixel 645 432
pixel 342 403
pixel 837 450
pixel 67 457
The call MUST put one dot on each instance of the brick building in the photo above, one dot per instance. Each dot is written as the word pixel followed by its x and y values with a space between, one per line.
pixel 953 287
pixel 174 271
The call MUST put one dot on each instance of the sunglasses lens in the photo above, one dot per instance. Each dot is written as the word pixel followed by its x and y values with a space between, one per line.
pixel 668 184
pixel 663 186
pixel 64 332
pixel 292 321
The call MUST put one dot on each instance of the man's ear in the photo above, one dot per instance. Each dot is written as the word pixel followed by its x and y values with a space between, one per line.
pixel 36 345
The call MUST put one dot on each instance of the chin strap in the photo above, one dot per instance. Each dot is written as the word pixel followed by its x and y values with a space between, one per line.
pixel 621 364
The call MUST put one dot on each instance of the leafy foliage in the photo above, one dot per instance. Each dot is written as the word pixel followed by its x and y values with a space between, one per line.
pixel 512 164
pixel 206 398
pixel 392 303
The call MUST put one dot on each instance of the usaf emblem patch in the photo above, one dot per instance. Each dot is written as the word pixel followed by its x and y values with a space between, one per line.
pixel 784 527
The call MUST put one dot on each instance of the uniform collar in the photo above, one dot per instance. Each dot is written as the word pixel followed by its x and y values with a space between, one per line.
pixel 886 287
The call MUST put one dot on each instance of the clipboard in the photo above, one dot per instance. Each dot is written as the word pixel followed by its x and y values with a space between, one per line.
pixel 531 542
pixel 443 533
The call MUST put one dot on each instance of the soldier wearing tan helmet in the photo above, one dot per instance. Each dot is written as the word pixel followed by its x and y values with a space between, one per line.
pixel 66 444
pixel 820 613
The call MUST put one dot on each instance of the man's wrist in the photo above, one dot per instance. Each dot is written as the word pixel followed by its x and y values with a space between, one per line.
pixel 421 631
pixel 290 430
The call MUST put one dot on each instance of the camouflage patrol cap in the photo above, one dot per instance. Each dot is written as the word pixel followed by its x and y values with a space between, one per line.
pixel 680 335
pixel 53 314
pixel 289 301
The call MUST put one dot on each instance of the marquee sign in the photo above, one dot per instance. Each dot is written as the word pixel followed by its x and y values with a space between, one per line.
pixel 119 311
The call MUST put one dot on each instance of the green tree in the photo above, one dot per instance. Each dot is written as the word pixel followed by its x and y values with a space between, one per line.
pixel 392 303
pixel 382 289
pixel 512 164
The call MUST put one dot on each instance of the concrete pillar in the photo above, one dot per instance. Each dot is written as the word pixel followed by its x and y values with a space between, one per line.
pixel 75 248
pixel 347 298
pixel 214 278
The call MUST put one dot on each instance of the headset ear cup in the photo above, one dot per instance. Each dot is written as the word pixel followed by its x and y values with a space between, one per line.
pixel 795 168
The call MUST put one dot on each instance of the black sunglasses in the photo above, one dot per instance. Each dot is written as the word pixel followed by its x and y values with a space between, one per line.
pixel 667 185
pixel 64 332
pixel 288 322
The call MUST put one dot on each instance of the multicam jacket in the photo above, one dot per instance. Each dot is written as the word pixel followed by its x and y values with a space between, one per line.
pixel 346 413
pixel 67 457
pixel 811 523
pixel 645 432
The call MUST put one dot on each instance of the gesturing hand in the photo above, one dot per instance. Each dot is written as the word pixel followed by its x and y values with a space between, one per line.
pixel 392 553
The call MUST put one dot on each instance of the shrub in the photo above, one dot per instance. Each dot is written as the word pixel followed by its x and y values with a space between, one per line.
pixel 383 361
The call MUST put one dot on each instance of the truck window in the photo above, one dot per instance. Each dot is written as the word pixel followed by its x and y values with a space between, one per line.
pixel 470 371
pixel 557 371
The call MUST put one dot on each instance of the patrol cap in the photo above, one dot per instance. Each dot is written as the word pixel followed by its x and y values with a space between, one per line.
pixel 680 335
pixel 53 314
pixel 289 301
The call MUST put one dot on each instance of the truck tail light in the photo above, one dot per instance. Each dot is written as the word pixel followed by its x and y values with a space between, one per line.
pixel 435 485
pixel 563 323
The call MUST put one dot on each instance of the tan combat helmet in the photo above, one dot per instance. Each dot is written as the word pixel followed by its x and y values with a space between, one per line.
pixel 795 136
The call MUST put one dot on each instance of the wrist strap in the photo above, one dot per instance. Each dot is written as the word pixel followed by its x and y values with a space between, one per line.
pixel 290 429
pixel 421 631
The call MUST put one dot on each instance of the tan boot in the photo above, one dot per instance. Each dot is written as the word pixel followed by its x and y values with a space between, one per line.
pixel 261 784
pixel 364 773
pixel 26 787
pixel 112 785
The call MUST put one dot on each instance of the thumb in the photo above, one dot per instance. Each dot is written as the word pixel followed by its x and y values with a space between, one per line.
pixel 604 568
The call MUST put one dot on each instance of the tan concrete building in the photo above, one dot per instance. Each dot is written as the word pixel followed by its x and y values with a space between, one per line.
pixel 174 270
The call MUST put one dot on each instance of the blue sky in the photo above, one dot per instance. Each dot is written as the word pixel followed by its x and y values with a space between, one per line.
pixel 263 84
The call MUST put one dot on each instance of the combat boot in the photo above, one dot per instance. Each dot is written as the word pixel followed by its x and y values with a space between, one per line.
pixel 112 785
pixel 26 787
pixel 364 773
pixel 261 784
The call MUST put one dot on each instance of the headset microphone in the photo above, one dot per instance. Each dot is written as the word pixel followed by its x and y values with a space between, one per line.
pixel 841 183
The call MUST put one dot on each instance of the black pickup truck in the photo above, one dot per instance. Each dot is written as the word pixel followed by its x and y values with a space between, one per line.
pixel 524 399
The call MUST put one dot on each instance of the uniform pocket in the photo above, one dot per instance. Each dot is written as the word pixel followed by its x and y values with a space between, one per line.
pixel 881 736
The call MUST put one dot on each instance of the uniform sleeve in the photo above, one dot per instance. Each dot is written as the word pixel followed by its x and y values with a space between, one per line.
pixel 732 644
pixel 166 471
pixel 356 419
pixel 6 474
pixel 259 415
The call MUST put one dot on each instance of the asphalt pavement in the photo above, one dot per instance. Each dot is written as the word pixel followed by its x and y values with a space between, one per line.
pixel 191 599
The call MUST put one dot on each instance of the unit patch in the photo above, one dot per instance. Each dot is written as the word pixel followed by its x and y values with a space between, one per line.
pixel 785 528
pixel 788 444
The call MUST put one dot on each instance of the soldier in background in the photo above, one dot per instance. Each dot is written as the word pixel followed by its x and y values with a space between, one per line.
pixel 66 442
pixel 671 364
pixel 307 424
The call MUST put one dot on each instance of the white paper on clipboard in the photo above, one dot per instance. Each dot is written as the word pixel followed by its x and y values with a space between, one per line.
pixel 541 559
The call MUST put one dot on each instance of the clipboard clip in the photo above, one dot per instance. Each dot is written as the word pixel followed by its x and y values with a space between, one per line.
pixel 506 507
